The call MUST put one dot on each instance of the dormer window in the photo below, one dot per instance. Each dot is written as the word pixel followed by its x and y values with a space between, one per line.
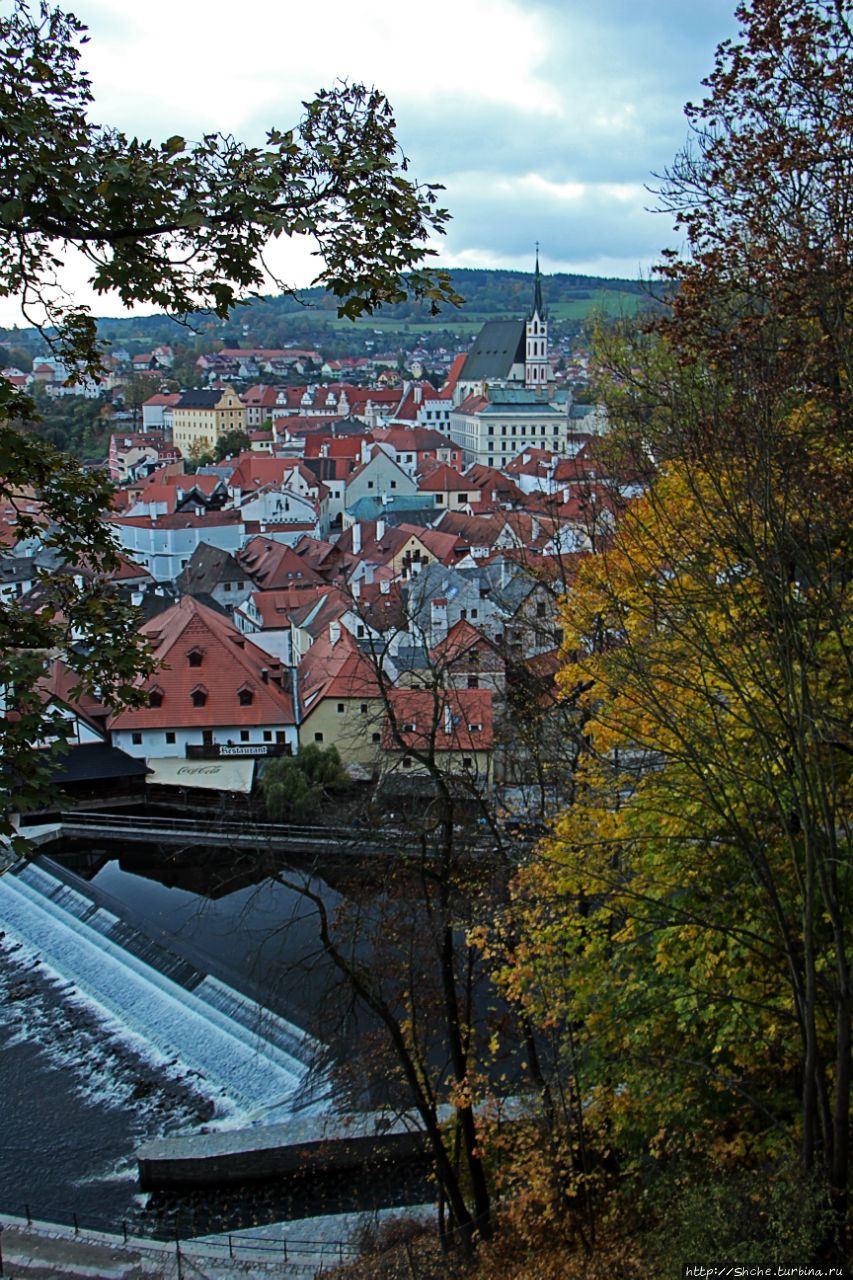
pixel 198 695
pixel 195 657
pixel 245 695
pixel 155 697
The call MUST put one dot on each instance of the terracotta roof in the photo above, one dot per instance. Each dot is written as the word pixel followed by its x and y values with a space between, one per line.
pixel 452 720
pixel 275 565
pixel 445 479
pixel 279 608
pixel 204 654
pixel 335 670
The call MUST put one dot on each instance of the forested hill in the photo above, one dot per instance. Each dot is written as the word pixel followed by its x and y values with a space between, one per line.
pixel 311 317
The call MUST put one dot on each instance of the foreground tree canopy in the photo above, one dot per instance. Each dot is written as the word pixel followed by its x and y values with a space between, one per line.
pixel 181 225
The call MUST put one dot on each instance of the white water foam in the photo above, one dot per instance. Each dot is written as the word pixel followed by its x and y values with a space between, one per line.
pixel 166 1023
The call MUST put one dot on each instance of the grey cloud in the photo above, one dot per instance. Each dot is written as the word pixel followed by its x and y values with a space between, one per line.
pixel 594 225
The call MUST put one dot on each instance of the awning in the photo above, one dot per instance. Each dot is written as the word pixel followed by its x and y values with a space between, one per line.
pixel 217 775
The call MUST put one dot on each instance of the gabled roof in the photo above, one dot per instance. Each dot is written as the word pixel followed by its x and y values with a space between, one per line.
pixel 228 663
pixel 274 565
pixel 498 346
pixel 278 609
pixel 445 479
pixel 461 641
pixel 56 686
pixel 335 669
pixel 208 567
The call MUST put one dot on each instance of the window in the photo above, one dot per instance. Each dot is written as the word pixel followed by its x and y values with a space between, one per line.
pixel 170 737
pixel 473 682
pixel 359 631
pixel 195 657
pixel 199 697
pixel 375 737
pixel 207 737
pixel 245 697
pixel 155 698
pixel 407 762
pixel 136 739
pixel 370 484
pixel 318 737
pixel 363 709
pixel 227 586
pixel 341 708
pixel 244 735
pixel 267 735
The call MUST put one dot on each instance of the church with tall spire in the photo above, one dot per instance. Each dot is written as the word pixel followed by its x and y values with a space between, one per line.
pixel 510 353
pixel 537 367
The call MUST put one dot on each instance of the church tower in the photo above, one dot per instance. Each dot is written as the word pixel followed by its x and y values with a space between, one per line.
pixel 537 370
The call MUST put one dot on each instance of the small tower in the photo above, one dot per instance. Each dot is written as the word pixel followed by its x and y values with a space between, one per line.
pixel 536 367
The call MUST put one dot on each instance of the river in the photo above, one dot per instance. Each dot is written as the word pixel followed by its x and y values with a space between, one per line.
pixel 101 1051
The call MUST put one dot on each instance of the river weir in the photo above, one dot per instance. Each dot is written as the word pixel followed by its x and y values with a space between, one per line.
pixel 214 1030
pixel 124 1021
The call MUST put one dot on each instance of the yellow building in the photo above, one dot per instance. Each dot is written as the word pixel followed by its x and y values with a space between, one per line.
pixel 200 417
pixel 340 701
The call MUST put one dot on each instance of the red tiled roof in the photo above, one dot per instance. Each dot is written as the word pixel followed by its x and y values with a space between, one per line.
pixel 451 720
pixel 445 479
pixel 229 663
pixel 335 670
pixel 275 565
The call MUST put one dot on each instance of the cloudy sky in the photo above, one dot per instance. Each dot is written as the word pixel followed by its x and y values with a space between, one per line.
pixel 544 119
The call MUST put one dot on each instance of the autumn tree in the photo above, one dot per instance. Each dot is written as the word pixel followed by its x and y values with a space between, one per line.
pixel 180 225
pixel 698 892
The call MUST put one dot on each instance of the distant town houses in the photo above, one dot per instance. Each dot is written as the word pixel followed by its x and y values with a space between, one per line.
pixel 378 570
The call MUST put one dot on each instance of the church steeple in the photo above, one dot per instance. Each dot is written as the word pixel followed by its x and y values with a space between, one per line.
pixel 538 308
pixel 537 370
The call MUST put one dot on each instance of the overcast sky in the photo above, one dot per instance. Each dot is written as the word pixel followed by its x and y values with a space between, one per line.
pixel 544 120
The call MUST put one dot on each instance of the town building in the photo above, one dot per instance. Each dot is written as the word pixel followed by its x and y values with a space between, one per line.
pixel 199 418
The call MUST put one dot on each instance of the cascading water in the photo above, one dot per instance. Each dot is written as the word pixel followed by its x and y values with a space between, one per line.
pixel 215 1031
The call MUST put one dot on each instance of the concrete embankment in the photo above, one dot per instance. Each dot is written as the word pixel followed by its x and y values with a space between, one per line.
pixel 312 1143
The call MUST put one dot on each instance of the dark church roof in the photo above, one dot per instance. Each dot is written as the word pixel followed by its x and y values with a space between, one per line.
pixel 498 346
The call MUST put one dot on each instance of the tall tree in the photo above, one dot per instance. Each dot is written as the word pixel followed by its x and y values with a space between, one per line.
pixel 703 875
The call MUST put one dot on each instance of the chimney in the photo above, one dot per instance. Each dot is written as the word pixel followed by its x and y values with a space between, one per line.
pixel 438 621
pixel 448 719
pixel 418 394
pixel 265 674
pixel 334 632
pixel 534 528
pixel 355 588
pixel 356 539
pixel 380 530
pixel 384 587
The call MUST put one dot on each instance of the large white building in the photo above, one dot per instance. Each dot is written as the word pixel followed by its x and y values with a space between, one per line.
pixel 492 427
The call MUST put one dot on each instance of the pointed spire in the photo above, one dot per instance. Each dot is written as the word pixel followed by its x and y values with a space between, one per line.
pixel 538 308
